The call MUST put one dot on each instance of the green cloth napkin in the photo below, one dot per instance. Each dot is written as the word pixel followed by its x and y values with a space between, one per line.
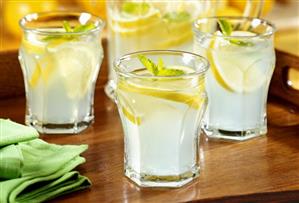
pixel 11 162
pixel 12 133
pixel 47 173
pixel 11 158
pixel 32 170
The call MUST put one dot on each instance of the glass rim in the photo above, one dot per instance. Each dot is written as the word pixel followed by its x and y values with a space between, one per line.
pixel 261 20
pixel 117 64
pixel 99 23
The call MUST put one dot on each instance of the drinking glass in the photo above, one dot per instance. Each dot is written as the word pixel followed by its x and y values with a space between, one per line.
pixel 242 64
pixel 60 56
pixel 161 116
pixel 150 24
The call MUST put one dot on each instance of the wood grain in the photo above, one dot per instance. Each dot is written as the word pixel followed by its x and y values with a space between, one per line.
pixel 279 85
pixel 264 169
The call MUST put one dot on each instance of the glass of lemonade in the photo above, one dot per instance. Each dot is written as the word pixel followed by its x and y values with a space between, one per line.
pixel 60 56
pixel 161 99
pixel 242 58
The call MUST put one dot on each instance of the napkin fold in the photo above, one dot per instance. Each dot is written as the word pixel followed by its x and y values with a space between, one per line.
pixel 36 171
pixel 11 162
pixel 11 132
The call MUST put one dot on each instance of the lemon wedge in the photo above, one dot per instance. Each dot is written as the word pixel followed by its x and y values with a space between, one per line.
pixel 233 68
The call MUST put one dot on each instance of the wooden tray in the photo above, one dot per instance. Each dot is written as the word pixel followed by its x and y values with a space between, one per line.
pixel 265 169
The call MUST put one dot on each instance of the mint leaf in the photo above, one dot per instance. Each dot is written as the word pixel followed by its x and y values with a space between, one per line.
pixel 177 16
pixel 226 27
pixel 67 26
pixel 135 8
pixel 51 37
pixel 160 64
pixel 149 65
pixel 159 69
pixel 84 28
pixel 170 72
pixel 241 43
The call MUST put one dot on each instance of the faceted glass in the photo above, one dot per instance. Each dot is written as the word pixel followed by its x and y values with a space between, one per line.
pixel 60 68
pixel 237 83
pixel 161 117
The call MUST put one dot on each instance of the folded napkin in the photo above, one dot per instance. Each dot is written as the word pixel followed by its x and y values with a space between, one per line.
pixel 42 171
pixel 11 132
pixel 11 158
pixel 11 162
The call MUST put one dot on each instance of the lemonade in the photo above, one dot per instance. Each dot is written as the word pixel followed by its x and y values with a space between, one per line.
pixel 60 72
pixel 149 25
pixel 160 117
pixel 242 64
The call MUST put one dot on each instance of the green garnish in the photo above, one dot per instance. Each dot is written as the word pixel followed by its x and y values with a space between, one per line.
pixel 170 72
pixel 241 43
pixel 135 8
pixel 84 28
pixel 150 65
pixel 67 27
pixel 160 64
pixel 227 29
pixel 177 16
pixel 159 69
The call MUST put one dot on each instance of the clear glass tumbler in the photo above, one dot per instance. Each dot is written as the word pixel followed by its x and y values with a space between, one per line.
pixel 161 117
pixel 241 53
pixel 60 56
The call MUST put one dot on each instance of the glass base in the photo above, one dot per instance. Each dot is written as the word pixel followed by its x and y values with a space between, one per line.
pixel 215 133
pixel 110 89
pixel 54 128
pixel 171 181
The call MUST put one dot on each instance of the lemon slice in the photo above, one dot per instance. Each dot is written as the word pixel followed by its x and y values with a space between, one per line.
pixel 132 21
pixel 228 62
pixel 165 89
pixel 127 111
pixel 75 63
pixel 129 25
pixel 228 76
pixel 33 81
pixel 43 70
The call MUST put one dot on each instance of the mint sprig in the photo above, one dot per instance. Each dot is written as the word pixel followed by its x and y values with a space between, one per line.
pixel 227 29
pixel 68 29
pixel 67 26
pixel 159 69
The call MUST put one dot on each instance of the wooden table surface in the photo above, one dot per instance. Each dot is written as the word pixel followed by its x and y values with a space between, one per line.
pixel 265 169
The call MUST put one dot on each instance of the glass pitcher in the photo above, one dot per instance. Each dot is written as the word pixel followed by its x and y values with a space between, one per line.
pixel 150 25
